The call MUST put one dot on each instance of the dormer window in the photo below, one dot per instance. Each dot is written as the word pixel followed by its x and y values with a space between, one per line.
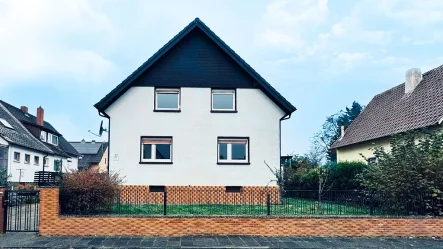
pixel 223 101
pixel 167 100
pixel 43 136
pixel 5 123
pixel 54 139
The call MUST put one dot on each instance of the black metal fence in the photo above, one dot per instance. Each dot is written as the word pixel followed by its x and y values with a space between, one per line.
pixel 248 203
pixel 22 210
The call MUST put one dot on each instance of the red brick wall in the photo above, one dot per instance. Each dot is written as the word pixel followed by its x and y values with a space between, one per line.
pixel 199 195
pixel 2 219
pixel 51 224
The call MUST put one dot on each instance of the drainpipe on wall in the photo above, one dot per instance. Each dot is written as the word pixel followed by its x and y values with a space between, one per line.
pixel 105 115
pixel 285 117
pixel 44 160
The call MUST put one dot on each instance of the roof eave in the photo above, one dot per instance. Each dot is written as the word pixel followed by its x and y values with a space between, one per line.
pixel 111 97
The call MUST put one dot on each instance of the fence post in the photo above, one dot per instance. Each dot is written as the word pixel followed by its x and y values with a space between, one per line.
pixel 164 202
pixel 3 210
pixel 268 204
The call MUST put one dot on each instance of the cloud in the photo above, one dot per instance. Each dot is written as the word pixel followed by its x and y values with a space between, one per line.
pixel 412 12
pixel 53 38
pixel 285 21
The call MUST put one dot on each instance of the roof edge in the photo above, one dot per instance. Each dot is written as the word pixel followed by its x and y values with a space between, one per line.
pixel 271 92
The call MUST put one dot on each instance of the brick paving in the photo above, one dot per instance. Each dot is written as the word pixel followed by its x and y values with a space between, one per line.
pixel 32 240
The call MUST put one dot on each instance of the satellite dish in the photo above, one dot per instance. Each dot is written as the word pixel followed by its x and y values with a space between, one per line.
pixel 100 131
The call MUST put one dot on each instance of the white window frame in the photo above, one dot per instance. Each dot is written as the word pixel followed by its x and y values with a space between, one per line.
pixel 43 136
pixel 52 139
pixel 229 160
pixel 18 153
pixel 167 91
pixel 223 92
pixel 154 148
pixel 27 162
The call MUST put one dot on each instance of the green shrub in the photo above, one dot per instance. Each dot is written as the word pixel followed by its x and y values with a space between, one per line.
pixel 411 174
pixel 344 175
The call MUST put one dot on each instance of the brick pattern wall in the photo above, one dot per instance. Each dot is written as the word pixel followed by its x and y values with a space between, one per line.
pixel 51 224
pixel 2 218
pixel 199 195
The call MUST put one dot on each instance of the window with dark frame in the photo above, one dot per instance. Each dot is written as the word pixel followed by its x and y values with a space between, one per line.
pixel 223 100
pixel 233 150
pixel 17 156
pixel 27 158
pixel 167 99
pixel 36 160
pixel 156 150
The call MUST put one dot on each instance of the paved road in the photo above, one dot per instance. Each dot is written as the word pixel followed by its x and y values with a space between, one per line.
pixel 27 240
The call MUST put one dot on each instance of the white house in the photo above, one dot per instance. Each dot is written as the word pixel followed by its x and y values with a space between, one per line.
pixel 29 144
pixel 195 114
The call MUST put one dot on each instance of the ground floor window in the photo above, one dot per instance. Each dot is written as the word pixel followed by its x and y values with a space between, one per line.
pixel 233 150
pixel 156 149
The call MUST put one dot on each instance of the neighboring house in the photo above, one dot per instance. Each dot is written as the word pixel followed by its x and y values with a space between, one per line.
pixel 29 144
pixel 93 155
pixel 195 114
pixel 415 104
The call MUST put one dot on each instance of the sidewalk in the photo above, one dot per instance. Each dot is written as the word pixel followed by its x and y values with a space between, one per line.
pixel 31 240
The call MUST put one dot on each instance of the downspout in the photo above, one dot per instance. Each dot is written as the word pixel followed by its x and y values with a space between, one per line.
pixel 285 117
pixel 44 160
pixel 105 115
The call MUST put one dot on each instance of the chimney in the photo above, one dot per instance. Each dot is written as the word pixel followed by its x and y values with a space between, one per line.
pixel 342 131
pixel 93 142
pixel 24 108
pixel 83 141
pixel 40 116
pixel 413 78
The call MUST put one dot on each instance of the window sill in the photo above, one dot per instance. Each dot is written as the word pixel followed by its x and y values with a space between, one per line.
pixel 27 163
pixel 167 110
pixel 219 111
pixel 227 163
pixel 36 164
pixel 15 161
pixel 155 162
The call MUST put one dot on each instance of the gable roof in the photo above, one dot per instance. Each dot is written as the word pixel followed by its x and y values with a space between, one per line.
pixel 19 135
pixel 63 148
pixel 392 112
pixel 275 96
pixel 91 153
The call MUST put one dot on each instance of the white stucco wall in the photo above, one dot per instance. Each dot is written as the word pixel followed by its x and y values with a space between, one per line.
pixel 194 130
pixel 28 170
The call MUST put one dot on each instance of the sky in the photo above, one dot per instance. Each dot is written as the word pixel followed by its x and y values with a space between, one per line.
pixel 321 55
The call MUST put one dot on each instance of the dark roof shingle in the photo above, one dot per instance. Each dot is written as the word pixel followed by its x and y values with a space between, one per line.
pixel 392 112
pixel 63 149
pixel 91 153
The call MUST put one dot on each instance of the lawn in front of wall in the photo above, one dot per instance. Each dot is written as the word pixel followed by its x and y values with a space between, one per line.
pixel 289 206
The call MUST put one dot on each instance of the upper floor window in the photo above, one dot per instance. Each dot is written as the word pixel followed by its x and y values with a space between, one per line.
pixel 17 156
pixel 223 100
pixel 156 149
pixel 167 99
pixel 27 158
pixel 233 150
pixel 54 139
pixel 43 136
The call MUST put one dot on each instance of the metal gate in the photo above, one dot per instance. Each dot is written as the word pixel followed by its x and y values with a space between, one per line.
pixel 22 210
